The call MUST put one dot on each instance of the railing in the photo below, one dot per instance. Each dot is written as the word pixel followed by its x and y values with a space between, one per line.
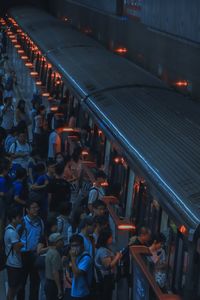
pixel 137 252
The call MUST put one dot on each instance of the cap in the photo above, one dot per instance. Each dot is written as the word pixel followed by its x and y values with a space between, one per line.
pixel 55 237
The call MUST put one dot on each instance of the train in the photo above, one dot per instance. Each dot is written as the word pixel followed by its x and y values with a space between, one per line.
pixel 144 134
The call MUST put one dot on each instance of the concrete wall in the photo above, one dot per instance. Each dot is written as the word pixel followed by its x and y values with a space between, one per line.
pixel 164 55
pixel 178 17
pixel 108 6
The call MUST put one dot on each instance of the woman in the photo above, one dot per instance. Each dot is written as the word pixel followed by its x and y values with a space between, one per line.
pixel 159 260
pixel 73 172
pixel 22 117
pixel 105 263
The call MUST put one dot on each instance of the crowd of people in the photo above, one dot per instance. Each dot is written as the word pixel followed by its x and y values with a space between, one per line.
pixel 55 234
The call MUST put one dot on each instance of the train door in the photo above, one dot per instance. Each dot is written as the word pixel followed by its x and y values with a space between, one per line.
pixel 118 180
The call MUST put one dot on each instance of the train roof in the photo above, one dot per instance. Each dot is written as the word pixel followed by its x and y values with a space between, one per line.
pixel 159 128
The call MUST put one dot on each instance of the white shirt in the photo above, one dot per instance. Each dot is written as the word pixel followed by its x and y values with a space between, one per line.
pixel 54 139
pixel 95 193
pixel 11 237
pixel 8 117
pixel 16 148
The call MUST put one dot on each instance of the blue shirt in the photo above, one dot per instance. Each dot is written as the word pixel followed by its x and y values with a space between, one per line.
pixel 81 284
pixel 32 234
pixel 87 244
pixel 41 181
pixel 3 185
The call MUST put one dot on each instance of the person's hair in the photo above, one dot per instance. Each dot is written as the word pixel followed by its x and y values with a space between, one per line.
pixel 40 168
pixel 4 165
pixel 65 208
pixel 97 203
pixel 21 101
pixel 159 238
pixel 100 174
pixel 51 163
pixel 101 221
pixel 87 221
pixel 13 130
pixel 41 108
pixel 144 230
pixel 76 238
pixel 59 169
pixel 6 99
pixel 13 212
pixel 60 153
pixel 29 203
pixel 103 238
pixel 21 173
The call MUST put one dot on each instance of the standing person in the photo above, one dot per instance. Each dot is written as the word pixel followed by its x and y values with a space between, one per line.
pixel 21 116
pixel 59 189
pixel 7 114
pixel 54 143
pixel 96 192
pixel 20 189
pixel 4 169
pixel 106 261
pixel 39 122
pixel 12 249
pixel 159 260
pixel 81 265
pixel 10 139
pixel 20 152
pixel 31 233
pixel 63 222
pixel 87 229
pixel 53 262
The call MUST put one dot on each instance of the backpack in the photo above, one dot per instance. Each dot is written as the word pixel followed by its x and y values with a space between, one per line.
pixel 94 286
pixel 84 201
pixel 3 256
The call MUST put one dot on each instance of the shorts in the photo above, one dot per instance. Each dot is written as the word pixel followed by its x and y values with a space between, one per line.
pixel 15 277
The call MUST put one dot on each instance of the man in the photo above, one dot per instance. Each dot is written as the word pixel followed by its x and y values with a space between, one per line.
pixel 96 192
pixel 12 249
pixel 143 238
pixel 99 208
pixel 7 114
pixel 20 152
pixel 31 232
pixel 53 263
pixel 59 189
pixel 54 143
pixel 87 229
pixel 81 264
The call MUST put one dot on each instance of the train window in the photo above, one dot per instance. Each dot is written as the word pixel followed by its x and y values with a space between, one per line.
pixel 141 205
pixel 98 146
pixel 118 179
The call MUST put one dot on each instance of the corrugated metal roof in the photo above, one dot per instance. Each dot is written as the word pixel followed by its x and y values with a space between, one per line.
pixel 160 127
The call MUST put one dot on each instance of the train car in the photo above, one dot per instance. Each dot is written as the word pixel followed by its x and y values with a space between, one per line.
pixel 144 135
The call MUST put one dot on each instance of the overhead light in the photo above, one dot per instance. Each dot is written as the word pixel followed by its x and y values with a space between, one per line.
pixel 34 73
pixel 24 57
pixel 126 227
pixel 28 64
pixel 121 50
pixel 181 83
pixel 45 94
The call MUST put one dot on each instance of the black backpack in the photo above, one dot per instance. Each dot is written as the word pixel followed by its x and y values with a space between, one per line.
pixel 3 256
